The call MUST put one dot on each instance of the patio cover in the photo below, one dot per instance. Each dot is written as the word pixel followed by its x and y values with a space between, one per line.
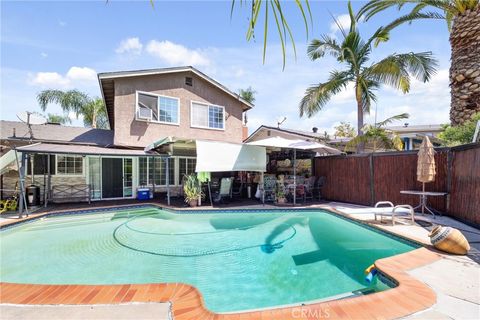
pixel 297 144
pixel 216 156
pixel 165 141
pixel 81 150
pixel 8 162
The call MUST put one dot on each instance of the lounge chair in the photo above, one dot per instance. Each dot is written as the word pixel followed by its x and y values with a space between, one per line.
pixel 225 190
pixel 393 211
pixel 381 211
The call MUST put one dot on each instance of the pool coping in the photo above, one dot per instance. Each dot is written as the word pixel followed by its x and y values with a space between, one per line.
pixel 410 296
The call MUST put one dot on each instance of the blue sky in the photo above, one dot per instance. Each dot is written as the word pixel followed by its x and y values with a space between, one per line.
pixel 62 45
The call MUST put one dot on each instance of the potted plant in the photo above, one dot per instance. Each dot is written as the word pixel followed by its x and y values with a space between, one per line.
pixel 280 195
pixel 192 190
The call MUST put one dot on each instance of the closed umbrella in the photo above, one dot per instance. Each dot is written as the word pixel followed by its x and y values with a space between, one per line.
pixel 426 164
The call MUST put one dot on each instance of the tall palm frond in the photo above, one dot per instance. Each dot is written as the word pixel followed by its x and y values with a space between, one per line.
pixel 92 110
pixel 449 8
pixel 273 8
pixel 327 44
pixel 69 101
pixel 395 70
pixel 318 95
pixel 394 118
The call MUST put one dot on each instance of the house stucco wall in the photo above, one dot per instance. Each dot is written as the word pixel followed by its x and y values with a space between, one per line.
pixel 131 132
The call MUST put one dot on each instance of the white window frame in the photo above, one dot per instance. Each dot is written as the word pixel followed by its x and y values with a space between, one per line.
pixel 207 105
pixel 158 108
pixel 171 183
pixel 70 174
pixel 178 179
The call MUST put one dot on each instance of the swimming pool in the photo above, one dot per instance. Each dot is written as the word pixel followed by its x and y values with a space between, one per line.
pixel 237 260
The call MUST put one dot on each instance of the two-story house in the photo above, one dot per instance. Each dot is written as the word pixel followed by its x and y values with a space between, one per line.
pixel 143 106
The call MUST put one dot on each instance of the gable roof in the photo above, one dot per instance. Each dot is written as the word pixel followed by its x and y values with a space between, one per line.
pixel 106 79
pixel 18 131
pixel 299 133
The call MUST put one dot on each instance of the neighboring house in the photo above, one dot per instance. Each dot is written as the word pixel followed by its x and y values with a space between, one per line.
pixel 412 135
pixel 143 106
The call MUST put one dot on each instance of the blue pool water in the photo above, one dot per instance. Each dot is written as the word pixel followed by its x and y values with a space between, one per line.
pixel 238 260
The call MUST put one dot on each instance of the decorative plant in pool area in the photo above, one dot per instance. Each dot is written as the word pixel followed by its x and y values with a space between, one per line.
pixel 192 189
pixel 354 52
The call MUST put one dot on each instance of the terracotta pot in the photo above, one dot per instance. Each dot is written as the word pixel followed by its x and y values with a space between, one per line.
pixel 449 240
pixel 281 200
pixel 193 203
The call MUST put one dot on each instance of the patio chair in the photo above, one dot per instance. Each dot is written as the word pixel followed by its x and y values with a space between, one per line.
pixel 225 190
pixel 309 188
pixel 319 184
pixel 269 187
pixel 237 190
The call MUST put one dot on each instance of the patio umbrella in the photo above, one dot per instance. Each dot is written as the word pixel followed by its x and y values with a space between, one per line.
pixel 279 142
pixel 426 163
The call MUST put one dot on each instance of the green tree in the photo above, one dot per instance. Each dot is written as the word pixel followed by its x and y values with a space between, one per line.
pixel 460 134
pixel 344 130
pixel 248 94
pixel 462 17
pixel 395 70
pixel 378 136
pixel 92 110
pixel 57 118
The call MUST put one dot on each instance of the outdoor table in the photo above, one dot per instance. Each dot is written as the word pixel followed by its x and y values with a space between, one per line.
pixel 423 198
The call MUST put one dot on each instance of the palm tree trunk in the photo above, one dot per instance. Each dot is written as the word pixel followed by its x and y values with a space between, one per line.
pixel 94 118
pixel 465 66
pixel 361 145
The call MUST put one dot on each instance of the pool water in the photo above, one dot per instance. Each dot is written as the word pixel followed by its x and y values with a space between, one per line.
pixel 237 260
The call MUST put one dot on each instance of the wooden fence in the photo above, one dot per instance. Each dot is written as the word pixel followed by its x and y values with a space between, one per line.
pixel 368 178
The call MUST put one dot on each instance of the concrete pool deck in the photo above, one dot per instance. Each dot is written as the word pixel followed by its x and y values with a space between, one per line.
pixel 428 289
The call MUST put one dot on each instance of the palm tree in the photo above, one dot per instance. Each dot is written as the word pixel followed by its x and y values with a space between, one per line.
pixel 394 70
pixel 379 136
pixel 92 110
pixel 248 94
pixel 463 19
pixel 57 118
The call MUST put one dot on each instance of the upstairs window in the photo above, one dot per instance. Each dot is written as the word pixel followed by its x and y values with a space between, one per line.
pixel 207 116
pixel 157 108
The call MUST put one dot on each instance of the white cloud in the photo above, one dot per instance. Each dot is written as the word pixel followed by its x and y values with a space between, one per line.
pixel 49 79
pixel 62 23
pixel 43 55
pixel 130 46
pixel 343 20
pixel 81 74
pixel 75 76
pixel 176 54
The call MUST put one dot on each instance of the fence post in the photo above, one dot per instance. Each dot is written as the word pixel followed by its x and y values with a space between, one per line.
pixel 372 187
pixel 450 156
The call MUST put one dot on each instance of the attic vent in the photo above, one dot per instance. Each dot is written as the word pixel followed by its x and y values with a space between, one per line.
pixel 189 81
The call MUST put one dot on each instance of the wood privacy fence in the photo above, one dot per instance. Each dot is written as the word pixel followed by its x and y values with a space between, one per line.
pixel 367 178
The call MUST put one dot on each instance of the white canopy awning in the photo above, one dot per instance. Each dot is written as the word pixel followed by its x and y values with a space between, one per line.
pixel 8 162
pixel 215 156
pixel 279 142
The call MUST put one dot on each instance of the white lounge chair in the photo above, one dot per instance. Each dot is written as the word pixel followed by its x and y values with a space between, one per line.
pixel 393 211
